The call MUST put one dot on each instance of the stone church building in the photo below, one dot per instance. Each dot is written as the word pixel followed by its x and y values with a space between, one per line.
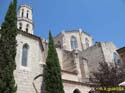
pixel 78 56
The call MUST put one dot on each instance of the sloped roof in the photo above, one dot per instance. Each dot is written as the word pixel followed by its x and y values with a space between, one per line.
pixel 121 50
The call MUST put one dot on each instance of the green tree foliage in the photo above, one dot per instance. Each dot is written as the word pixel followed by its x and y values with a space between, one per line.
pixel 8 50
pixel 52 71
pixel 109 75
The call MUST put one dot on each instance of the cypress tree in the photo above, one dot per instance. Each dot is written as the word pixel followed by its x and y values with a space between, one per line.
pixel 52 71
pixel 8 50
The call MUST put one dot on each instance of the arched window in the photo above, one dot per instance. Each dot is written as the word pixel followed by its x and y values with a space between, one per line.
pixel 22 12
pixel 116 58
pixel 76 91
pixel 20 26
pixel 27 14
pixel 24 55
pixel 87 42
pixel 73 42
pixel 27 28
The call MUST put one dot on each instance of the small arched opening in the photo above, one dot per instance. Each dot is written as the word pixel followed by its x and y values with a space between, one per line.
pixel 20 26
pixel 76 91
pixel 27 28
pixel 27 14
pixel 22 12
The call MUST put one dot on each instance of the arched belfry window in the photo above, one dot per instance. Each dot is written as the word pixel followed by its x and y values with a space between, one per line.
pixel 73 42
pixel 25 54
pixel 27 28
pixel 20 26
pixel 27 14
pixel 87 42
pixel 76 91
pixel 22 13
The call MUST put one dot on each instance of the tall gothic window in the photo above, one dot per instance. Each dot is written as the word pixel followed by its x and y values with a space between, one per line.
pixel 22 12
pixel 27 28
pixel 73 42
pixel 20 26
pixel 27 14
pixel 25 54
pixel 87 42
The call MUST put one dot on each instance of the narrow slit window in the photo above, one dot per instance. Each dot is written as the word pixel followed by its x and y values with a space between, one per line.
pixel 27 14
pixel 22 12
pixel 27 28
pixel 20 26
pixel 73 42
pixel 87 42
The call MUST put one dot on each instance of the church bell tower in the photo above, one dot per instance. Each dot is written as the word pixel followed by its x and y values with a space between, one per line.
pixel 24 19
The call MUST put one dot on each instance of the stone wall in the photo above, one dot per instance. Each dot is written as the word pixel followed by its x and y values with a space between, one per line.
pixel 93 55
pixel 60 56
pixel 24 75
pixel 87 60
pixel 58 40
pixel 70 86
pixel 69 76
pixel 64 38
pixel 84 36
pixel 68 61
pixel 100 52
pixel 108 51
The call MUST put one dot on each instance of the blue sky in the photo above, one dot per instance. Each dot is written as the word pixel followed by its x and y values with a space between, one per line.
pixel 104 20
